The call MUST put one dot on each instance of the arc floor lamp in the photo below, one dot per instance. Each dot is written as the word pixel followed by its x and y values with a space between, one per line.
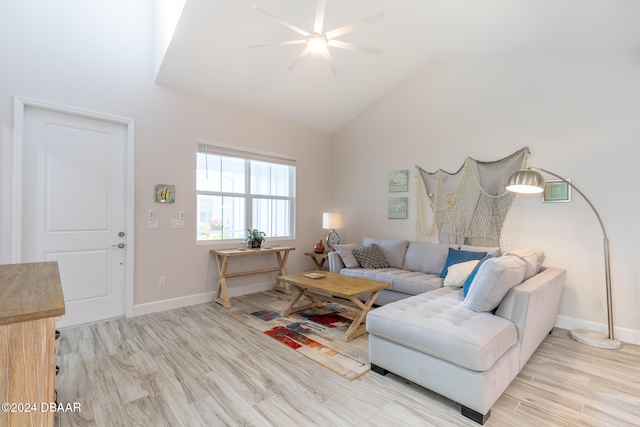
pixel 532 181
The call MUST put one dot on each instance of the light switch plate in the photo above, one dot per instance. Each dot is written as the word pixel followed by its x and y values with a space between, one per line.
pixel 153 223
pixel 177 223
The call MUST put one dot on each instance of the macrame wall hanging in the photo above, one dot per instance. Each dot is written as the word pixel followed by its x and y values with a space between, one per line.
pixel 469 206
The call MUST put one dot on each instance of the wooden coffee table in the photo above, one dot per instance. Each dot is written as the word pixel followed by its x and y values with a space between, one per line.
pixel 334 285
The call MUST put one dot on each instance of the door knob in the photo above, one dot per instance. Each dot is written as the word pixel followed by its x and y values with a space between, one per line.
pixel 119 245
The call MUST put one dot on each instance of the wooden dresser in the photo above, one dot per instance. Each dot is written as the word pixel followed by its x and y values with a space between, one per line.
pixel 31 302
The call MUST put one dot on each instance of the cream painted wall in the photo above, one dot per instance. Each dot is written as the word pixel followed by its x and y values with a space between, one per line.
pixel 580 117
pixel 81 55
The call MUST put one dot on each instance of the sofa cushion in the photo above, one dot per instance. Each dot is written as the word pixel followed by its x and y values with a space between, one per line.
pixel 436 323
pixel 414 282
pixel 492 282
pixel 533 258
pixel 428 258
pixel 458 273
pixel 456 256
pixel 407 282
pixel 493 251
pixel 346 255
pixel 393 250
pixel 370 257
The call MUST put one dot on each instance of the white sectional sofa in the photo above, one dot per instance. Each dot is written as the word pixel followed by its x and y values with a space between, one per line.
pixel 465 347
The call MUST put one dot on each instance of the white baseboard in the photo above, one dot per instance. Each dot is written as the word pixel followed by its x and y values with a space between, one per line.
pixel 173 303
pixel 630 336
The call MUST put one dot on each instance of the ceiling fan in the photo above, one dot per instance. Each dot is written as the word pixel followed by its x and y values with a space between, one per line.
pixel 318 41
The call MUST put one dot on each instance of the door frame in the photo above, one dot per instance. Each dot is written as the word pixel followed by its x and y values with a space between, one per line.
pixel 19 105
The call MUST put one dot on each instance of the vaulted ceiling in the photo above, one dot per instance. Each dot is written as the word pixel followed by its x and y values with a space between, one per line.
pixel 209 52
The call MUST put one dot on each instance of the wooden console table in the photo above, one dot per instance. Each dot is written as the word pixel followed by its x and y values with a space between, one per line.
pixel 30 304
pixel 223 257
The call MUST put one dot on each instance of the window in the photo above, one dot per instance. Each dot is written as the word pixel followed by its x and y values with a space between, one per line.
pixel 239 188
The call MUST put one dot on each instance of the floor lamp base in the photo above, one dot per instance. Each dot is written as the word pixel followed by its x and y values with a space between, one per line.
pixel 595 339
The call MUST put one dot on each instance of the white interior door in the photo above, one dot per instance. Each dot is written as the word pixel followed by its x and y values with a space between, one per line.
pixel 74 208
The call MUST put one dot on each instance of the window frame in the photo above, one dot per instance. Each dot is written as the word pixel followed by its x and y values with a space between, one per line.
pixel 247 154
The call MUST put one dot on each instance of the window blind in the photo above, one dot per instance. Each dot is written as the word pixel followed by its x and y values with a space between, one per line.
pixel 210 147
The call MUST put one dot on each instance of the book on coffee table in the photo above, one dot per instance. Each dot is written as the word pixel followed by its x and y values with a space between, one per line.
pixel 314 275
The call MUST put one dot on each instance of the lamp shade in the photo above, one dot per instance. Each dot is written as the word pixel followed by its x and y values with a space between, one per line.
pixel 526 181
pixel 332 220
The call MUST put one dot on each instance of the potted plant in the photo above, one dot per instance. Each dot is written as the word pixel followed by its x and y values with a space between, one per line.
pixel 254 238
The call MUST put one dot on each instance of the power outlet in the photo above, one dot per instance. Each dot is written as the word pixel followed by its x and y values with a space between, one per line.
pixel 162 281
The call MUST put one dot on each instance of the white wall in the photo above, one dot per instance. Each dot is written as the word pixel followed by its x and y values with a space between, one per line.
pixel 99 57
pixel 579 114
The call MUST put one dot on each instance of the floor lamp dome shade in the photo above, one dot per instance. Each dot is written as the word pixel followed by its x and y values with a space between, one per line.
pixel 531 181
pixel 526 181
pixel 331 221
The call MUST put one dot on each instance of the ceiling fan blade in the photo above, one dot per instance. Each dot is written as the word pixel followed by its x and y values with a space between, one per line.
pixel 304 53
pixel 355 25
pixel 354 46
pixel 321 6
pixel 329 59
pixel 280 44
pixel 285 23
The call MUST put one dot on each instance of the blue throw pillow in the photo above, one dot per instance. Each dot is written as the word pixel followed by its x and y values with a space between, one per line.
pixel 467 283
pixel 456 256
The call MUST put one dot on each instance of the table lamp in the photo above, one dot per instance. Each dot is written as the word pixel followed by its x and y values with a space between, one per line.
pixel 331 221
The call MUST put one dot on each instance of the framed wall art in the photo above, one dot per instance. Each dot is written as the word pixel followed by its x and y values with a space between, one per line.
pixel 397 208
pixel 557 191
pixel 398 181
pixel 165 193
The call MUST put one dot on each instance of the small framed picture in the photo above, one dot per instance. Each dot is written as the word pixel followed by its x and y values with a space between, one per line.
pixel 398 208
pixel 165 193
pixel 398 181
pixel 557 191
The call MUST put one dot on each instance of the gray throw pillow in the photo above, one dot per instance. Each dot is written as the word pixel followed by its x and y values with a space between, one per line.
pixel 495 277
pixel 533 258
pixel 370 257
pixel 346 254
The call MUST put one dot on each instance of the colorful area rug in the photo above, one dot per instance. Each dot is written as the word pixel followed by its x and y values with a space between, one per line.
pixel 315 333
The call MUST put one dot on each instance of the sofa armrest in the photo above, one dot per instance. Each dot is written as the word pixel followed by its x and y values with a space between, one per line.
pixel 335 262
pixel 533 307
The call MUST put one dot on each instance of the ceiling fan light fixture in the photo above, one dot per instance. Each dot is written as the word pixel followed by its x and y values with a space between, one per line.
pixel 318 40
pixel 317 43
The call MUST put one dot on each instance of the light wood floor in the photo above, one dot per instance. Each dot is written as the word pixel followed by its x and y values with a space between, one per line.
pixel 196 366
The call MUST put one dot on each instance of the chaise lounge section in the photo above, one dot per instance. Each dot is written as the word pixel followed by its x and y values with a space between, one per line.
pixel 470 357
